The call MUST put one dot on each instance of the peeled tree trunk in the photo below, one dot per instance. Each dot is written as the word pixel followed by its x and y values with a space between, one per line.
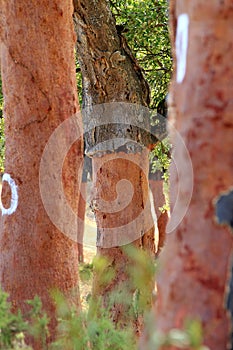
pixel 39 86
pixel 156 187
pixel 81 226
pixel 194 263
pixel 115 138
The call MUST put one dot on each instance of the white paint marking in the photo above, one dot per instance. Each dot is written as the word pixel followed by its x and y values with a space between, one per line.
pixel 14 196
pixel 182 46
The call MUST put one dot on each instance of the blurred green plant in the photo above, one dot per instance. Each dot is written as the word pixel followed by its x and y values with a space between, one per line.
pixel 38 325
pixel 160 157
pixel 83 330
pixel 191 337
pixel 142 277
pixel 80 331
pixel 12 325
pixel 85 272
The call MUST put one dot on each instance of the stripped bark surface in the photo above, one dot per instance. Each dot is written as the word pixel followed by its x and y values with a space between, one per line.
pixel 194 264
pixel 39 86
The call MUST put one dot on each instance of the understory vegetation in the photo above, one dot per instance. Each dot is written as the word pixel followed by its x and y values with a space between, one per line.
pixel 92 328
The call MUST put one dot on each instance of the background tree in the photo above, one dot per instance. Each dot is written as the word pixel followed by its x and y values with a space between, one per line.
pixel 146 32
pixel 38 75
pixel 195 259
pixel 111 74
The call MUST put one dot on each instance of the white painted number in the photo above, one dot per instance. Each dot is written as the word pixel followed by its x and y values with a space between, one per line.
pixel 14 196
pixel 182 46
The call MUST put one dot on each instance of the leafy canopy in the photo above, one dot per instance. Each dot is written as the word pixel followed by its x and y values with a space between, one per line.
pixel 145 26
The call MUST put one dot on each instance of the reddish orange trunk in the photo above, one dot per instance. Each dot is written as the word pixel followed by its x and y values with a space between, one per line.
pixel 38 73
pixel 123 216
pixel 194 264
pixel 122 198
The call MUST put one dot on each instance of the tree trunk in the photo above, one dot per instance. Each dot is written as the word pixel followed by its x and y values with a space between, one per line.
pixel 194 264
pixel 156 187
pixel 39 85
pixel 111 74
pixel 81 215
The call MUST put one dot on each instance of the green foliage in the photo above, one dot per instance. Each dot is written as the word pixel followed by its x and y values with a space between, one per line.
pixel 104 270
pixel 195 334
pixel 144 23
pixel 142 276
pixel 12 326
pixel 161 158
pixel 79 80
pixel 79 331
pixel 191 337
pixel 76 331
pixel 38 326
pixel 85 272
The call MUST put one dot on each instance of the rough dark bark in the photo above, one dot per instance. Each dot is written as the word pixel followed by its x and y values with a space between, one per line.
pixel 39 86
pixel 106 58
pixel 111 74
pixel 194 264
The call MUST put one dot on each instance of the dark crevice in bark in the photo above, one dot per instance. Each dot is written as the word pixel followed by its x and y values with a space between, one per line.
pixel 32 122
pixel 33 78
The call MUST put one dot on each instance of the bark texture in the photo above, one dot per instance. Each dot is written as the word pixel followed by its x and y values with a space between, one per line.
pixel 81 215
pixel 156 187
pixel 39 85
pixel 194 263
pixel 111 74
